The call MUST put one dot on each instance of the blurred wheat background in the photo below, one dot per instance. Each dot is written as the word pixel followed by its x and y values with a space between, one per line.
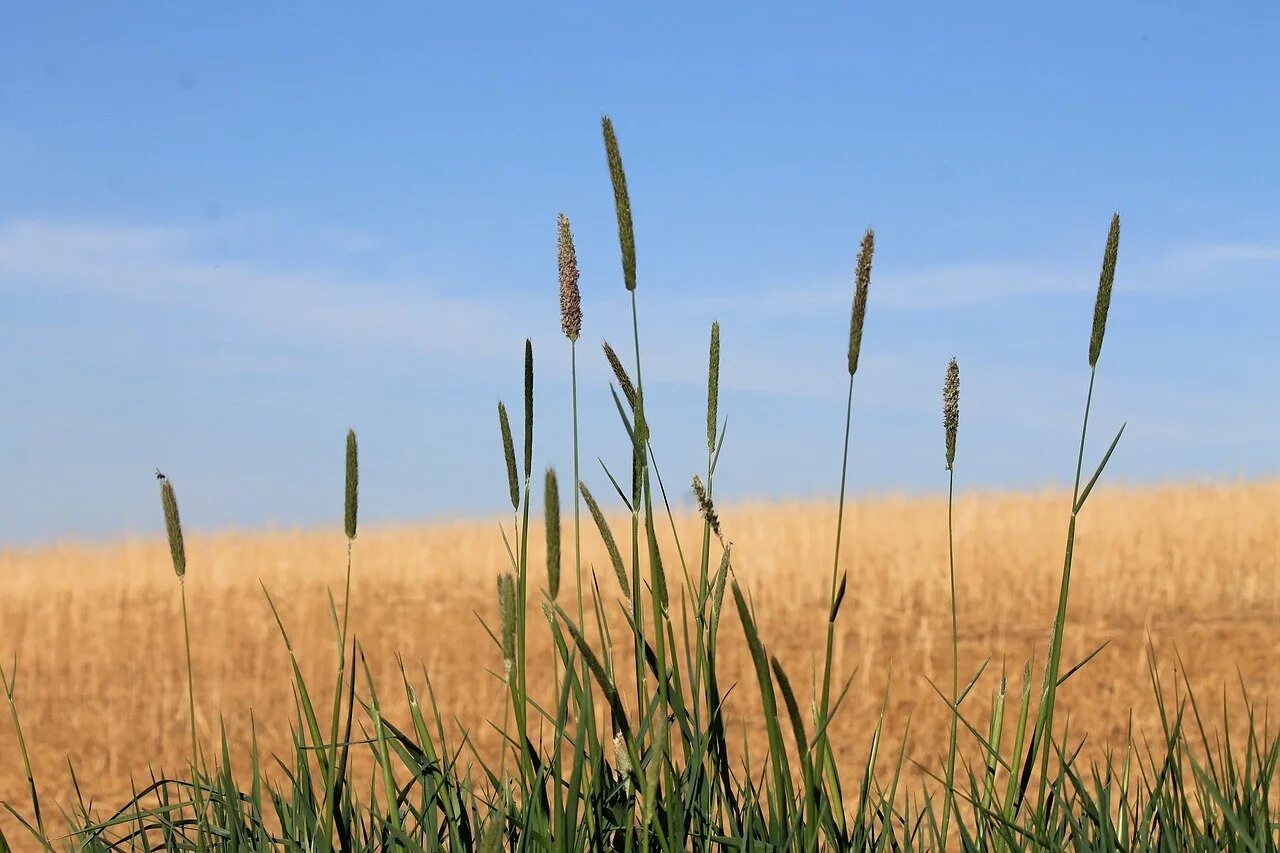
pixel 101 677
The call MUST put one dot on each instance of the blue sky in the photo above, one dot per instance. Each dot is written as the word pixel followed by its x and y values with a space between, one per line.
pixel 230 231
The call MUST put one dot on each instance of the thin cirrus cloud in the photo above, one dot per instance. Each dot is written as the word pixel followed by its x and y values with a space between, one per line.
pixel 941 286
pixel 171 266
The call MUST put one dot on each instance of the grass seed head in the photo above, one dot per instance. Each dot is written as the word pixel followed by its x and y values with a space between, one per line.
pixel 509 451
pixel 951 410
pixel 551 502
pixel 610 544
pixel 706 507
pixel 620 373
pixel 622 202
pixel 528 409
pixel 353 485
pixel 1105 280
pixel 642 423
pixel 861 286
pixel 570 296
pixel 713 387
pixel 507 611
pixel 1048 660
pixel 173 527
pixel 717 589
pixel 640 436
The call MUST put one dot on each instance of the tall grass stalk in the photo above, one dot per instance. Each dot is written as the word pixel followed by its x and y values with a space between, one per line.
pixel 857 321
pixel 950 426
pixel 178 553
pixel 350 527
pixel 1045 719
pixel 571 325
pixel 627 246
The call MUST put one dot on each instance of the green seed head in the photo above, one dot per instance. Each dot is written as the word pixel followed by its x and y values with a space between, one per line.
pixel 862 283
pixel 552 504
pixel 1105 280
pixel 570 296
pixel 353 485
pixel 173 527
pixel 509 451
pixel 622 202
pixel 640 437
pixel 951 410
pixel 713 387
pixel 717 589
pixel 620 373
pixel 528 410
pixel 610 544
pixel 507 611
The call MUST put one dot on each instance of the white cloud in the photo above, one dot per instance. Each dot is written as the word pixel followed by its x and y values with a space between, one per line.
pixel 176 268
pixel 943 286
pixel 1262 252
pixel 167 266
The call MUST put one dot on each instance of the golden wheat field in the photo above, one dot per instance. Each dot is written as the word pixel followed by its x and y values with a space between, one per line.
pixel 101 677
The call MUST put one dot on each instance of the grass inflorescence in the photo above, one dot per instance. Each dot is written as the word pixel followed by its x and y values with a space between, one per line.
pixel 635 749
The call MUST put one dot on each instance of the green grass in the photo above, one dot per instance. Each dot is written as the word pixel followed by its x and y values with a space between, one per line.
pixel 661 775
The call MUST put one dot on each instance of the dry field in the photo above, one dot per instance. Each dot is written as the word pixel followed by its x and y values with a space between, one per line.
pixel 102 681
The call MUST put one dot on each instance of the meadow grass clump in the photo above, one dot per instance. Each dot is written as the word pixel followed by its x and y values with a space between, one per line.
pixel 635 746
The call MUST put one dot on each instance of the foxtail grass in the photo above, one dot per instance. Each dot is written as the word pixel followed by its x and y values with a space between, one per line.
pixel 857 322
pixel 571 325
pixel 950 426
pixel 620 375
pixel 1045 719
pixel 178 553
pixel 658 768
pixel 606 536
pixel 551 508
pixel 570 295
pixel 713 388
pixel 622 203
pixel 509 454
